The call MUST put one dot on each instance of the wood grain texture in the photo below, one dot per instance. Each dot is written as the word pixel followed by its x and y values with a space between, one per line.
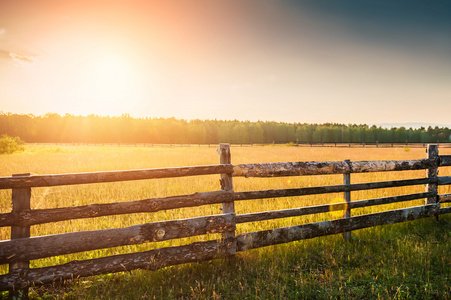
pixel 444 180
pixel 111 176
pixel 445 198
pixel 29 217
pixel 247 241
pixel 148 260
pixel 59 244
pixel 347 198
pixel 302 211
pixel 445 160
pixel 432 172
pixel 330 189
pixel 20 202
pixel 324 168
pixel 225 157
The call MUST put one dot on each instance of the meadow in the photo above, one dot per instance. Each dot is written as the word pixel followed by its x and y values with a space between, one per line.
pixel 401 261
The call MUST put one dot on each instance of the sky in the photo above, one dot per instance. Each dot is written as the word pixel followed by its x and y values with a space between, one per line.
pixel 316 61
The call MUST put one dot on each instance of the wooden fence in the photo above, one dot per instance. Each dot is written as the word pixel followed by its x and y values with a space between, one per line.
pixel 288 143
pixel 22 248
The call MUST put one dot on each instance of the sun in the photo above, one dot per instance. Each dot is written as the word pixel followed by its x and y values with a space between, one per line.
pixel 96 77
pixel 107 83
pixel 111 77
pixel 96 82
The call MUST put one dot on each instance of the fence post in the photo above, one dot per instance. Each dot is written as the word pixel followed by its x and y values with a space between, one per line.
pixel 347 197
pixel 21 201
pixel 227 185
pixel 432 152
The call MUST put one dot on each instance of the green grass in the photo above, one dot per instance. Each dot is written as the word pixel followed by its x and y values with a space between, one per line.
pixel 402 261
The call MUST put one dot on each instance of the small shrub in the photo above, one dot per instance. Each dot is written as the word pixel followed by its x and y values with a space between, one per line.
pixel 10 144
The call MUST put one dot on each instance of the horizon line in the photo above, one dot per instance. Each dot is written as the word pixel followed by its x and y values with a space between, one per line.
pixel 407 125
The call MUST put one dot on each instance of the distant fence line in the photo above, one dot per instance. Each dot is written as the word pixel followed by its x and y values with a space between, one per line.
pixel 22 248
pixel 341 145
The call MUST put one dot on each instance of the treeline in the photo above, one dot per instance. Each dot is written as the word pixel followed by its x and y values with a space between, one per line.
pixel 54 128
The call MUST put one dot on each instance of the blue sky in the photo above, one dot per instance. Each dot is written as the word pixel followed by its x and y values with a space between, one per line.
pixel 295 61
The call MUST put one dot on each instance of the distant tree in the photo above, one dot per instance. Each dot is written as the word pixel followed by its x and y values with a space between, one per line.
pixel 346 134
pixel 225 132
pixel 9 145
pixel 240 134
pixel 126 129
pixel 256 133
pixel 196 134
pixel 317 136
pixel 302 134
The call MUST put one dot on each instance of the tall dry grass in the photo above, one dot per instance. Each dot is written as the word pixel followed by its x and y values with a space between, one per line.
pixel 74 159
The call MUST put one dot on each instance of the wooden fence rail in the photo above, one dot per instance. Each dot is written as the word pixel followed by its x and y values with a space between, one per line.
pixel 22 248
pixel 21 181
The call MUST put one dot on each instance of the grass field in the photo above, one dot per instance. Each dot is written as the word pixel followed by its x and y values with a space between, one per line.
pixel 409 260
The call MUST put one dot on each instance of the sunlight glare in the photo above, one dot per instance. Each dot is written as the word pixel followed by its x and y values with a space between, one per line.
pixel 90 82
pixel 108 83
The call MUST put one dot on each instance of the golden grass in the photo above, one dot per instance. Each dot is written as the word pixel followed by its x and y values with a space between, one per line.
pixel 74 159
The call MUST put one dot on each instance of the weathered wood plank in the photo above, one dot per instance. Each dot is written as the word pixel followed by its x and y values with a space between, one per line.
pixel 41 216
pixel 227 185
pixel 444 180
pixel 333 167
pixel 445 160
pixel 247 241
pixel 347 198
pixel 329 189
pixel 445 210
pixel 110 176
pixel 59 244
pixel 444 198
pixel 289 169
pixel 302 211
pixel 394 165
pixel 148 260
pixel 21 202
pixel 432 152
pixel 388 200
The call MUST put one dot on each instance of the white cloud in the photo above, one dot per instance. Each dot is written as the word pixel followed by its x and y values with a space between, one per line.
pixel 22 60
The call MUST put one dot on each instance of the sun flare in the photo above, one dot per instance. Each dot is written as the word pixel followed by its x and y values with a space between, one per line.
pixel 109 81
pixel 96 82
